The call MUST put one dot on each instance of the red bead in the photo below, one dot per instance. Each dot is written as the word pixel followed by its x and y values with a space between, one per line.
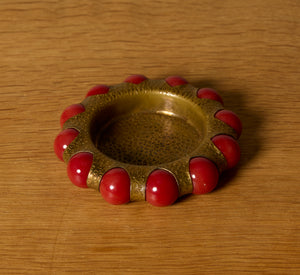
pixel 98 90
pixel 231 119
pixel 204 174
pixel 135 79
pixel 175 81
pixel 71 111
pixel 79 167
pixel 115 186
pixel 62 141
pixel 209 93
pixel 229 148
pixel 161 188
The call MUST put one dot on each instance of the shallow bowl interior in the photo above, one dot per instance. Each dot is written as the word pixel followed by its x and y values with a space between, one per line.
pixel 148 129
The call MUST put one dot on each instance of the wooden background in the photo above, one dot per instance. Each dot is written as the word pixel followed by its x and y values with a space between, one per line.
pixel 52 52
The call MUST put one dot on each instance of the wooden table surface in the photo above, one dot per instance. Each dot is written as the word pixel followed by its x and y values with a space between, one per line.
pixel 52 52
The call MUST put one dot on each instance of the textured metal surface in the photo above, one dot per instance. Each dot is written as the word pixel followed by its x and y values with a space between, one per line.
pixel 142 127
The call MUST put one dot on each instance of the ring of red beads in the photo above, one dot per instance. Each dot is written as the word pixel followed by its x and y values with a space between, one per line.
pixel 162 188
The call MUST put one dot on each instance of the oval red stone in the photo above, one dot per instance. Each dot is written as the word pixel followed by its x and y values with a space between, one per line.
pixel 161 188
pixel 71 111
pixel 204 175
pixel 62 141
pixel 115 186
pixel 98 90
pixel 135 79
pixel 175 81
pixel 229 148
pixel 209 93
pixel 231 119
pixel 79 167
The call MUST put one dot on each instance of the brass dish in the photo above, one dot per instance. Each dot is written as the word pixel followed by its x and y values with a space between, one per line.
pixel 146 126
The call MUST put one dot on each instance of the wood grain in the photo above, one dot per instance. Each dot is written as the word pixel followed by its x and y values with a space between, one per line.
pixel 52 52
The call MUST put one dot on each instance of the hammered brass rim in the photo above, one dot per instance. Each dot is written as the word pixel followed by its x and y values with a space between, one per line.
pixel 166 106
